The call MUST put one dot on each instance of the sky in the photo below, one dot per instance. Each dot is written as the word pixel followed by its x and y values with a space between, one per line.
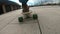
pixel 33 2
pixel 30 2
pixel 17 1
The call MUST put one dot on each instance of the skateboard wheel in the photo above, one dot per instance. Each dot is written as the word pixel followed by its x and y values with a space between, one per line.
pixel 20 19
pixel 35 16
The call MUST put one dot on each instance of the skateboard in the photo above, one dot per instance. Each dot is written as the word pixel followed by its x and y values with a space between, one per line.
pixel 27 15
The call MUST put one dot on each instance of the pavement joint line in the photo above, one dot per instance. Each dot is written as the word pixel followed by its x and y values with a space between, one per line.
pixel 5 17
pixel 39 26
pixel 7 24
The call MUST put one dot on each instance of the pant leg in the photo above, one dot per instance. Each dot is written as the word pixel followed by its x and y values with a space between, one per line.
pixel 25 8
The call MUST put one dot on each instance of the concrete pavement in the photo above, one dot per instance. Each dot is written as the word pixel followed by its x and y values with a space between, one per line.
pixel 9 24
pixel 49 19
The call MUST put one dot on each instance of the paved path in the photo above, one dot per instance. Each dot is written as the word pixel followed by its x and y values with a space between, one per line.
pixel 49 20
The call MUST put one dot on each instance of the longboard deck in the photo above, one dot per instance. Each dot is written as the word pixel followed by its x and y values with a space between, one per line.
pixel 27 13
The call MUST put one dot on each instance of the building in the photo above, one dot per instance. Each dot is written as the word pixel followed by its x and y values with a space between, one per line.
pixel 51 2
pixel 7 6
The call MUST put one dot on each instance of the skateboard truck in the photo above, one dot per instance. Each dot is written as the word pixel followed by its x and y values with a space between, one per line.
pixel 34 16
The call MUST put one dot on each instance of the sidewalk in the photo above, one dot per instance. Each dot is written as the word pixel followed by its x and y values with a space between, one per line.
pixel 9 24
pixel 49 19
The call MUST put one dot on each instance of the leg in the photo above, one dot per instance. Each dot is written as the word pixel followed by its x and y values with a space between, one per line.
pixel 25 8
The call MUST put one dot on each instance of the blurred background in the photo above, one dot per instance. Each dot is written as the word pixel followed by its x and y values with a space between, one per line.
pixel 10 5
pixel 39 2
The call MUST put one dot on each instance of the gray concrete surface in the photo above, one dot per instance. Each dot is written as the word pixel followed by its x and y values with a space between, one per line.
pixel 49 20
pixel 9 24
